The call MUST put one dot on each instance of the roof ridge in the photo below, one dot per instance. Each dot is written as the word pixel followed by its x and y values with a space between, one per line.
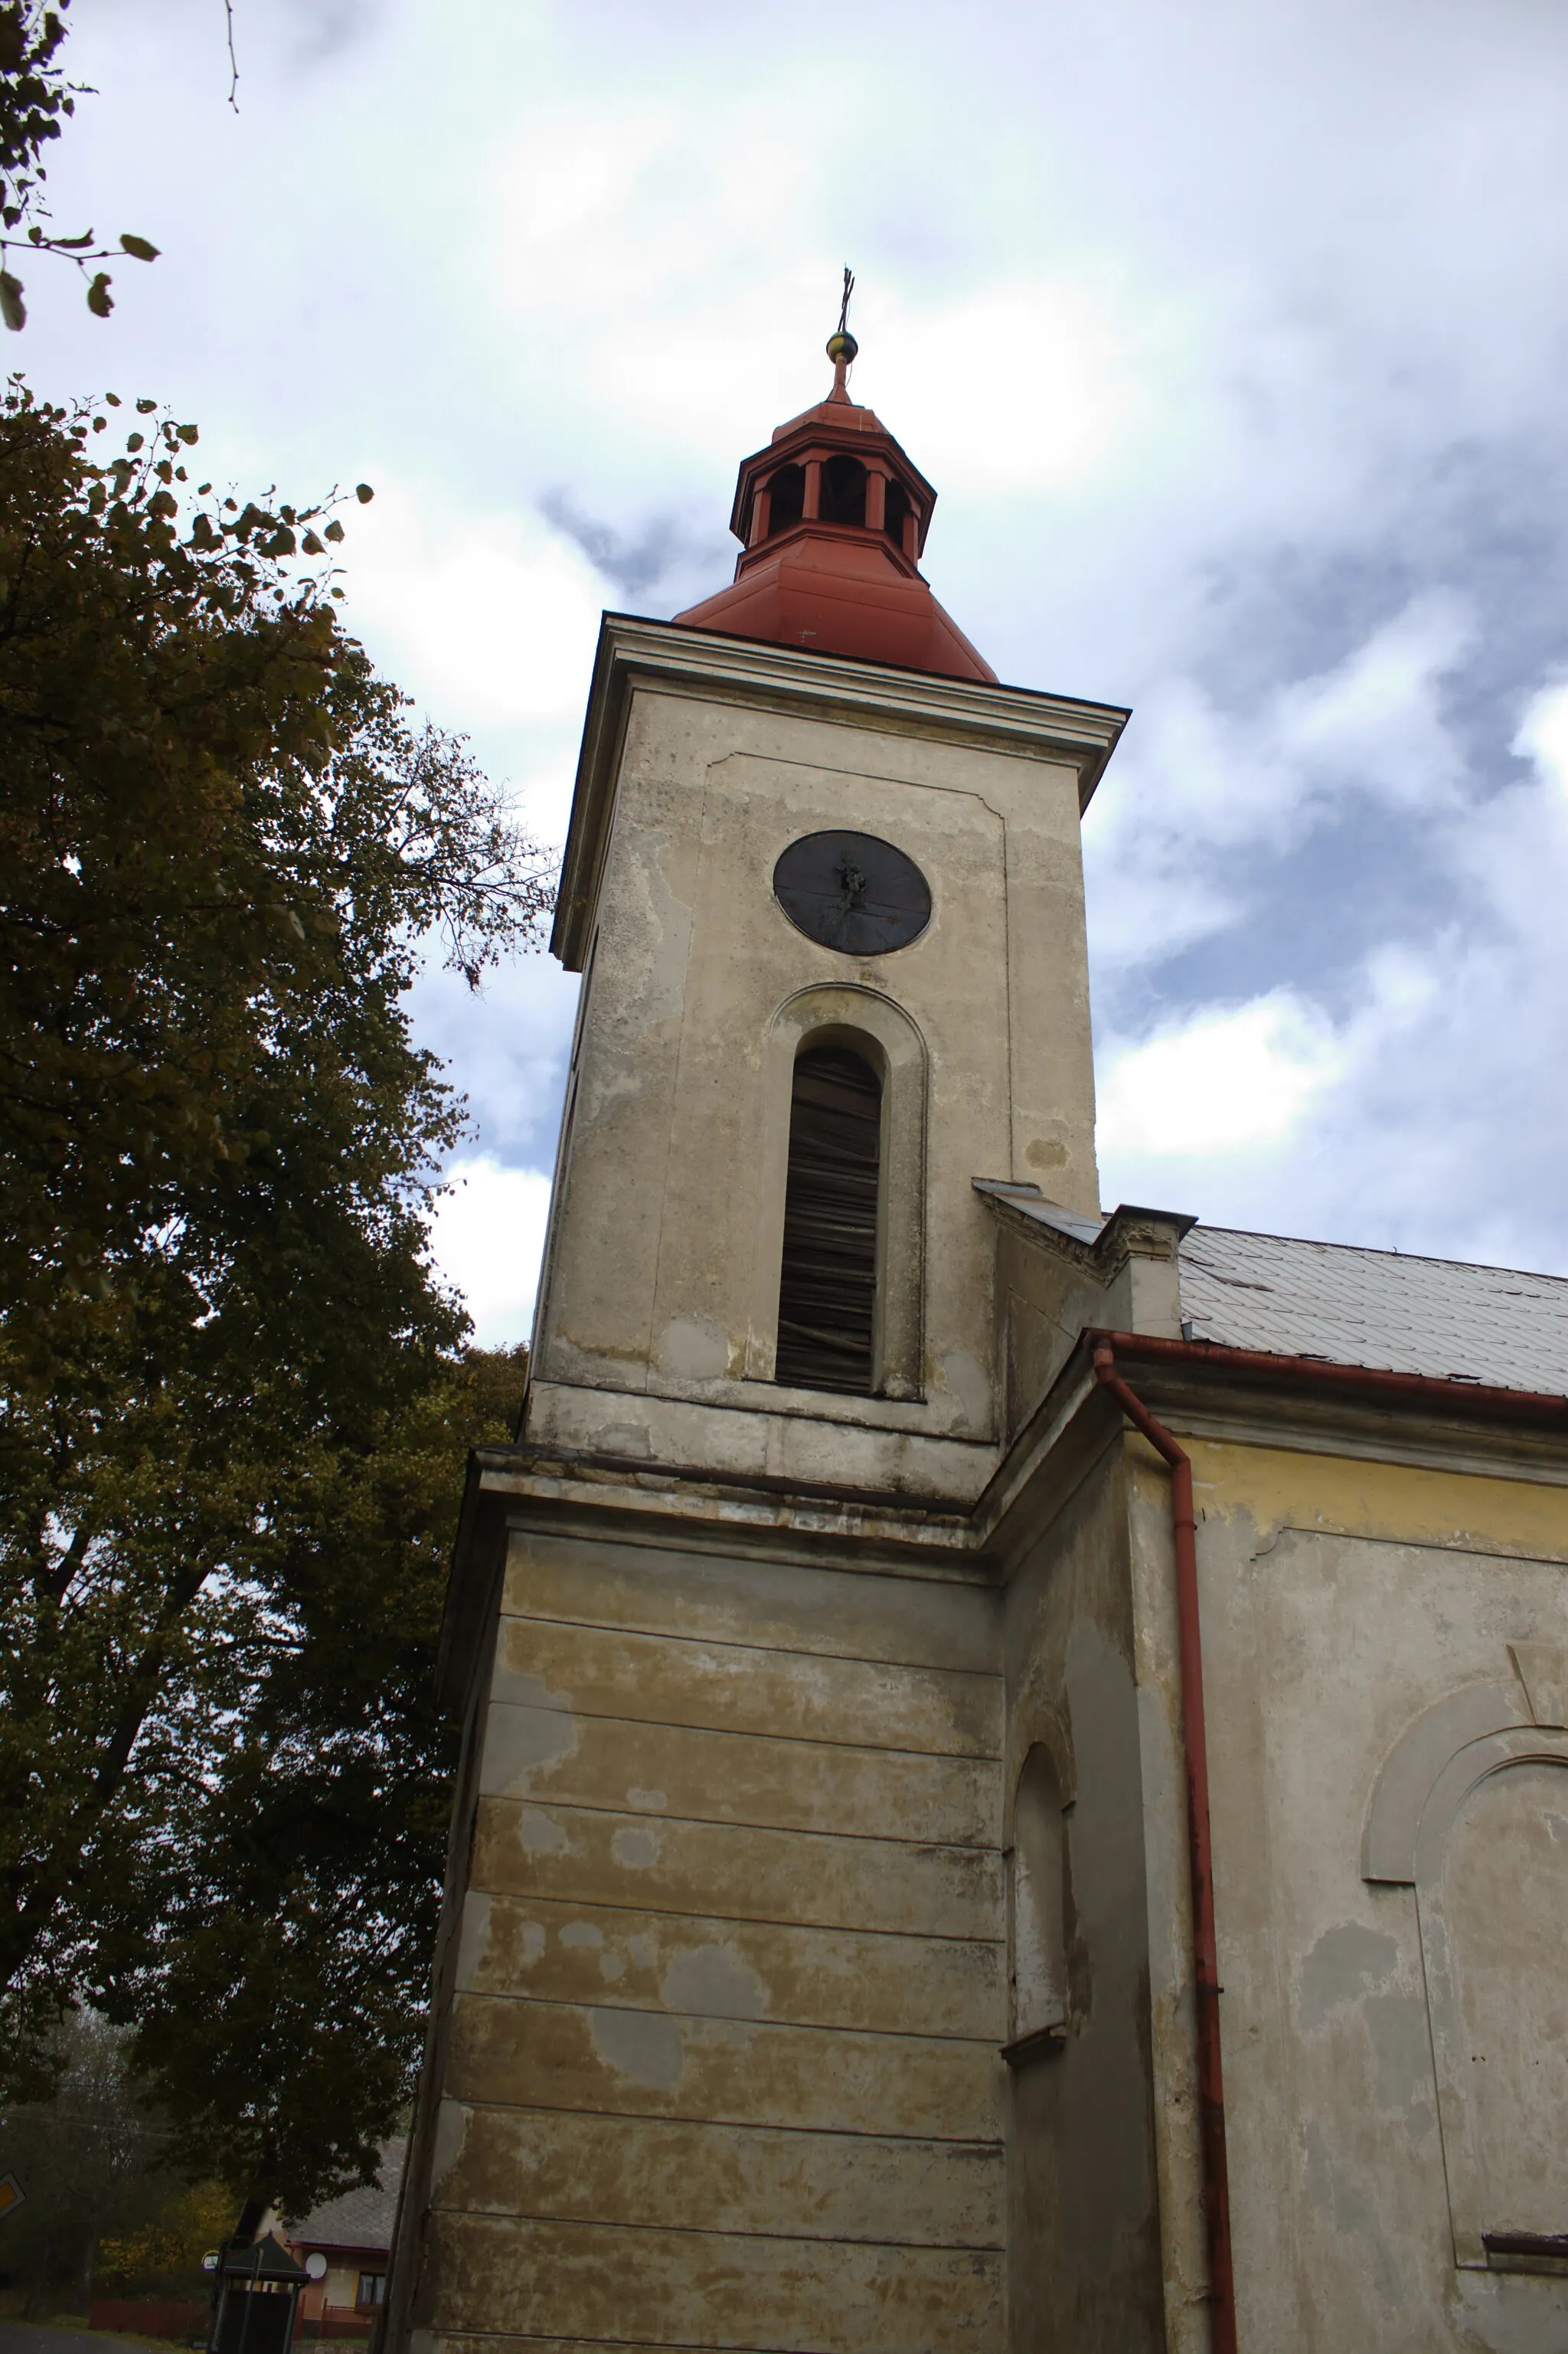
pixel 1375 1250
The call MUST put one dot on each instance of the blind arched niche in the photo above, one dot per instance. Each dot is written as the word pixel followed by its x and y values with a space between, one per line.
pixel 882 1035
pixel 1467 1813
pixel 827 1282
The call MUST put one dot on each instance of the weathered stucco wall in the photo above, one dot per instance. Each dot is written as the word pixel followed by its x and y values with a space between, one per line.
pixel 1050 1287
pixel 723 2065
pixel 723 1981
pixel 1085 2242
pixel 413 2198
pixel 1167 1855
pixel 663 1265
pixel 1345 1603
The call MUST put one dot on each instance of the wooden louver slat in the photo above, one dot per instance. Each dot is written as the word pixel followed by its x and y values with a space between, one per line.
pixel 827 1292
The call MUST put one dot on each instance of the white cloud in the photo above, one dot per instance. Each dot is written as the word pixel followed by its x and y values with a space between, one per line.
pixel 488 1236
pixel 1543 735
pixel 1220 332
pixel 1196 784
pixel 1376 720
pixel 1226 1082
pixel 487 617
pixel 507 1042
pixel 1066 360
pixel 1425 1117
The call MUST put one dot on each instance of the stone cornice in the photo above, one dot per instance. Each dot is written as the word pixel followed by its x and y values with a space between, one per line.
pixel 1198 1389
pixel 1205 1391
pixel 1130 1232
pixel 641 1503
pixel 665 656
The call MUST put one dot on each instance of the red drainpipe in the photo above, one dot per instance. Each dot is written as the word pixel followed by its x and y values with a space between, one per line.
pixel 1205 1952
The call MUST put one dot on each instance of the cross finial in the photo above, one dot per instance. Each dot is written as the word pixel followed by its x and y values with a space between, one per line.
pixel 842 345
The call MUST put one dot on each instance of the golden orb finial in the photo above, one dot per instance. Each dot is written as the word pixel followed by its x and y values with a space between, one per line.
pixel 842 345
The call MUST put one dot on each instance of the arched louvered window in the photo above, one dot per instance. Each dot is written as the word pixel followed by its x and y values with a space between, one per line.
pixel 843 491
pixel 787 499
pixel 827 1292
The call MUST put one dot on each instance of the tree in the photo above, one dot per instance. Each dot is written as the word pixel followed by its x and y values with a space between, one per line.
pixel 275 1958
pixel 35 99
pixel 234 1400
pixel 160 2255
pixel 90 2160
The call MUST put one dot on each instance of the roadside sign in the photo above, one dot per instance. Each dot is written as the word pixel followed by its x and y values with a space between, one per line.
pixel 11 2193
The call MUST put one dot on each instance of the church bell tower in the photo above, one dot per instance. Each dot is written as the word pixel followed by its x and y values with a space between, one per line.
pixel 721 1990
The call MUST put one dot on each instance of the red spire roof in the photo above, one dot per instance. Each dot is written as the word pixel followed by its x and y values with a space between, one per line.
pixel 832 517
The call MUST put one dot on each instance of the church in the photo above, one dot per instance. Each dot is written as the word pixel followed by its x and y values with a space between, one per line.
pixel 1015 1780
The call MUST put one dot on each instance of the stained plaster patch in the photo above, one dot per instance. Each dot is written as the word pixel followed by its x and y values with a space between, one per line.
pixel 452 2129
pixel 1344 1964
pixel 694 1349
pixel 473 1937
pixel 1350 2211
pixel 641 2044
pixel 969 1384
pixel 519 1687
pixel 1401 2058
pixel 715 1982
pixel 1510 2313
pixel 518 1740
pixel 540 1834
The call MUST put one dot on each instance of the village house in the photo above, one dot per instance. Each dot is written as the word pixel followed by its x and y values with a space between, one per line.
pixel 352 2234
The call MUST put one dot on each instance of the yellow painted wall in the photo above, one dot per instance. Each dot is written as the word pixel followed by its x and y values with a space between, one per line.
pixel 1289 1488
pixel 1343 1602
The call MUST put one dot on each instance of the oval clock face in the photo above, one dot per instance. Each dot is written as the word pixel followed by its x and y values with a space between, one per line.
pixel 853 893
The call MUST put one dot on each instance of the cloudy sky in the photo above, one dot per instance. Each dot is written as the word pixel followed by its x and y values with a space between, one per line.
pixel 1235 340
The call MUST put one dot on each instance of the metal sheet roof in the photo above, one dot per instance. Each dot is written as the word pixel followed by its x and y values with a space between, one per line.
pixel 1434 1316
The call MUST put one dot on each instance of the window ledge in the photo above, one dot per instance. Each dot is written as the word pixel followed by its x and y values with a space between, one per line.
pixel 1526 2252
pixel 1025 2048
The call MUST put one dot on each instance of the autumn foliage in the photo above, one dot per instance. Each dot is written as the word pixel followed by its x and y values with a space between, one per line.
pixel 234 1400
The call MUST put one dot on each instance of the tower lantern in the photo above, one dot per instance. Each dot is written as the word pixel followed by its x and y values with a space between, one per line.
pixel 832 517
